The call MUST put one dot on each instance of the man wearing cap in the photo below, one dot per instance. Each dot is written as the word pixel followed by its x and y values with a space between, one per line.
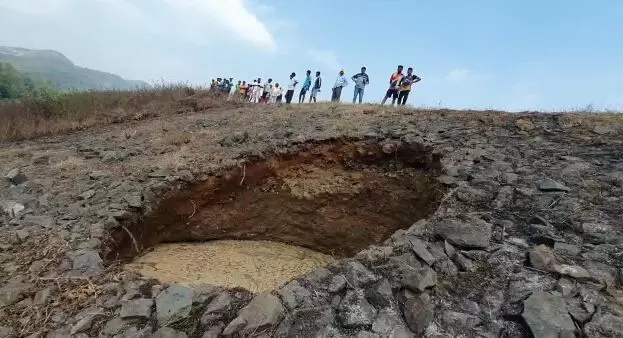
pixel 340 83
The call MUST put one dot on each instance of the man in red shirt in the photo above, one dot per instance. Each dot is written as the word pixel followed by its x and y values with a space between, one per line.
pixel 394 86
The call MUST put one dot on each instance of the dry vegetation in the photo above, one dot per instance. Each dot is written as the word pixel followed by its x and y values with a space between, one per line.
pixel 33 117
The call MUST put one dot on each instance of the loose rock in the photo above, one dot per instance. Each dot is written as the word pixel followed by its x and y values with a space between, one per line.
pixel 173 303
pixel 547 184
pixel 137 308
pixel 16 177
pixel 542 258
pixel 546 315
pixel 354 310
pixel 419 248
pixel 264 311
pixel 473 234
pixel 418 313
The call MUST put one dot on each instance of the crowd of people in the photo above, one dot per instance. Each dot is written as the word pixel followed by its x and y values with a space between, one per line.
pixel 400 86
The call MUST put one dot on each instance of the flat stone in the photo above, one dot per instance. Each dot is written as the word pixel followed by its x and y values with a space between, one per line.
pixel 174 303
pixel 86 261
pixel 337 284
pixel 137 308
pixel 167 332
pixel 418 313
pixel 460 322
pixel 567 287
pixel 94 175
pixel 418 280
pixel 214 331
pixel 475 233
pixel 11 293
pixel 419 247
pixel 389 323
pixel 219 304
pixel 567 249
pixel 603 130
pixel 542 258
pixel 358 275
pixel 355 311
pixel 548 184
pixel 546 315
pixel 604 325
pixel 293 294
pixel 574 271
pixel 42 221
pixel 380 294
pixel 306 322
pixel 264 311
pixel 115 326
pixel 134 201
pixel 16 177
pixel 87 194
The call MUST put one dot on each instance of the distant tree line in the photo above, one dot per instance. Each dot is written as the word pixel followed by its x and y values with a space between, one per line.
pixel 15 85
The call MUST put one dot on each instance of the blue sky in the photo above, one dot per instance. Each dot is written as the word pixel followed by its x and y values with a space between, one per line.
pixel 504 54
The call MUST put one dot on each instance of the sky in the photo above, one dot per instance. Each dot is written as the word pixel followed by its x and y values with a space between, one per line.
pixel 479 54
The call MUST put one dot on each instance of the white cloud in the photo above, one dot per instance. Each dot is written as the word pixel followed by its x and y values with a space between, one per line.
pixel 458 75
pixel 326 58
pixel 50 8
pixel 200 16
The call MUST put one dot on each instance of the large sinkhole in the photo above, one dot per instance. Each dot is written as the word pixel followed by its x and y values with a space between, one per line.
pixel 262 224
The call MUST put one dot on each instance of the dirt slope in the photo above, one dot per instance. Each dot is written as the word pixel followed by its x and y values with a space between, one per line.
pixel 526 238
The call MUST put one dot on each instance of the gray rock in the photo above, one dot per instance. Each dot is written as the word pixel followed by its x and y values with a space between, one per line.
pixel 380 294
pixel 11 208
pixel 12 292
pixel 42 296
pixel 115 326
pixel 167 332
pixel 547 184
pixel 389 323
pixel 464 263
pixel 574 271
pixel 546 315
pixel 293 294
pixel 174 303
pixel 337 284
pixel 604 325
pixel 87 194
pixel 84 323
pixel 6 332
pixel 214 331
pixel 419 247
pixel 16 177
pixel 358 275
pixel 460 322
pixel 264 311
pixel 42 221
pixel 567 287
pixel 566 249
pixel 542 258
pixel 418 313
pixel 473 234
pixel 219 304
pixel 355 311
pixel 134 201
pixel 306 322
pixel 579 311
pixel 137 308
pixel 603 130
pixel 86 261
pixel 418 280
pixel 95 175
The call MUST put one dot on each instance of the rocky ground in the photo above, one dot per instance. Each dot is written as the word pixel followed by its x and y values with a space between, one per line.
pixel 527 240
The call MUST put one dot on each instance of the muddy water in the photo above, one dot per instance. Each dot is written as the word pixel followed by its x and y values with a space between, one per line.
pixel 254 265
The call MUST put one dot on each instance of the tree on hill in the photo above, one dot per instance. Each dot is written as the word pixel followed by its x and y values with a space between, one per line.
pixel 15 85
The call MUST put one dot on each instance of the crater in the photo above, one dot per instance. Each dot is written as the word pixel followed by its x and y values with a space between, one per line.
pixel 269 221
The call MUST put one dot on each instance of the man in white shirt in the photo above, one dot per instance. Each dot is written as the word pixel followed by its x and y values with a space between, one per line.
pixel 340 83
pixel 268 86
pixel 275 95
pixel 291 86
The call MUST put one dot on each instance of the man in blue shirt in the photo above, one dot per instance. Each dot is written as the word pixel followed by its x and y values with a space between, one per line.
pixel 340 83
pixel 361 81
pixel 306 84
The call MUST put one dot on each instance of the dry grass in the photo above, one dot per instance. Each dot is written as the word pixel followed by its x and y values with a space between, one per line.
pixel 35 117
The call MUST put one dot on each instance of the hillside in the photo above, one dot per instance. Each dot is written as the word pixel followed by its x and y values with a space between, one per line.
pixel 441 223
pixel 52 66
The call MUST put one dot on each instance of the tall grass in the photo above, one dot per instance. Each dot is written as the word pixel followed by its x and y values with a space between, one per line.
pixel 54 113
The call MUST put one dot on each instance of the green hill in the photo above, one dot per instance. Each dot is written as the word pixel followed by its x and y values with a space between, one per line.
pixel 53 67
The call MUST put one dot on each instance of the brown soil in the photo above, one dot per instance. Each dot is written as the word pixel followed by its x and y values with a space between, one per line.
pixel 253 265
pixel 336 198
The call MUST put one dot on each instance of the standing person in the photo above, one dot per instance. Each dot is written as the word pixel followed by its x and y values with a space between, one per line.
pixel 394 86
pixel 340 83
pixel 252 91
pixel 306 84
pixel 316 88
pixel 276 94
pixel 268 86
pixel 212 86
pixel 243 90
pixel 291 86
pixel 361 81
pixel 405 86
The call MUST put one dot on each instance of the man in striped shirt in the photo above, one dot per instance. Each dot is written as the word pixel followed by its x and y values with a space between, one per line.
pixel 394 86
